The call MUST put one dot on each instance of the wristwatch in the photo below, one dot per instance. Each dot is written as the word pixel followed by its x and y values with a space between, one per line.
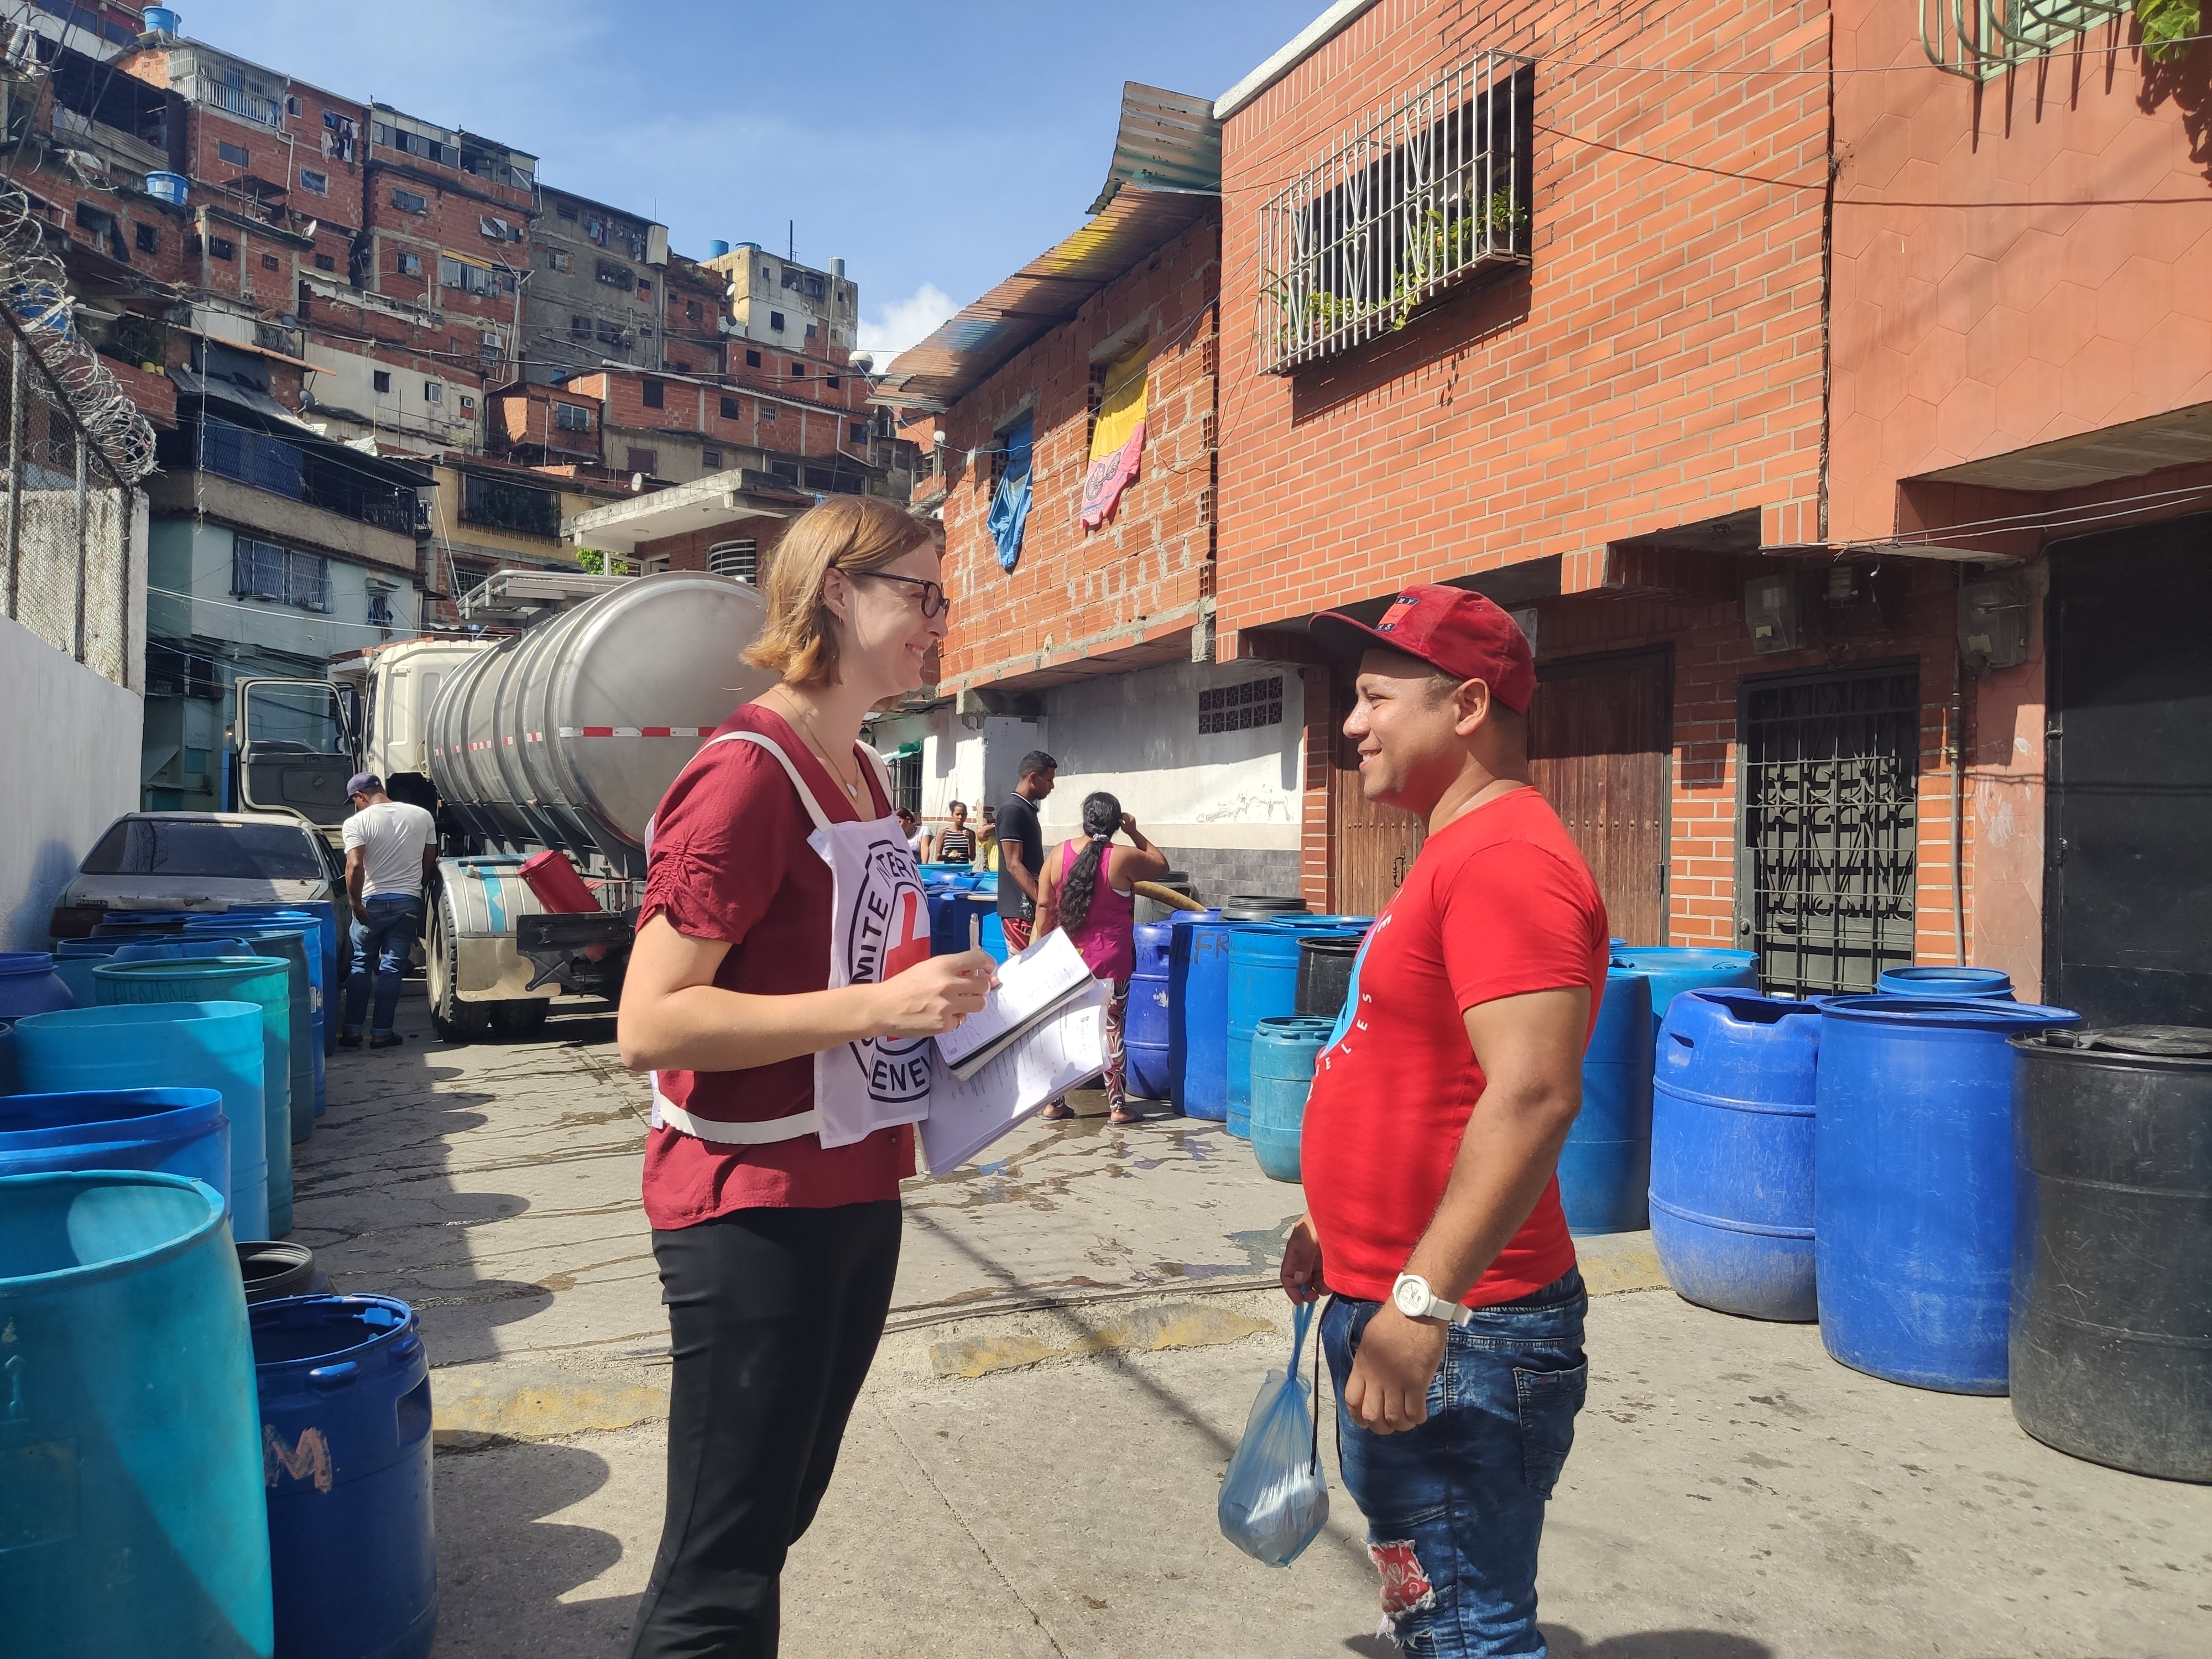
pixel 1416 1300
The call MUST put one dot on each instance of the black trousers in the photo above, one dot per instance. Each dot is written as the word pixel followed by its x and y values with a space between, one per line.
pixel 773 1318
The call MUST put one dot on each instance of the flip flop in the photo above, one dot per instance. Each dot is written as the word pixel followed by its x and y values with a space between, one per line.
pixel 1124 1120
pixel 1058 1112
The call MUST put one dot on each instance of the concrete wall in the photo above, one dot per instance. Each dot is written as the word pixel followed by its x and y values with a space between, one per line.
pixel 1224 806
pixel 69 752
pixel 185 555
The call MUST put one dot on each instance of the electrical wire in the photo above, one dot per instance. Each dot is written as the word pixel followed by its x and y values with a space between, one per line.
pixel 307 619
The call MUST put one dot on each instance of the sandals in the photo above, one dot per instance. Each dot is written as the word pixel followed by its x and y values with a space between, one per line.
pixel 1123 1118
pixel 1059 1112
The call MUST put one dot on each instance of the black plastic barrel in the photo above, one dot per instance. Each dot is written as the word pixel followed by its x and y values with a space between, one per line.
pixel 271 1268
pixel 1258 906
pixel 2111 1337
pixel 1324 975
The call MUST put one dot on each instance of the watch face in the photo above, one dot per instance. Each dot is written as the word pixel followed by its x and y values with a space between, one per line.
pixel 1411 1296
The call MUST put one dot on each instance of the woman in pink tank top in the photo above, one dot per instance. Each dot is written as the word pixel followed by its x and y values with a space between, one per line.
pixel 1086 889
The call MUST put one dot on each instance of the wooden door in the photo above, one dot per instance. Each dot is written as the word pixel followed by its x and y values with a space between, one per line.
pixel 1600 749
pixel 1375 844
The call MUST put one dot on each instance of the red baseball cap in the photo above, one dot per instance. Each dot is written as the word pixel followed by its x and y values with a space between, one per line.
pixel 1460 633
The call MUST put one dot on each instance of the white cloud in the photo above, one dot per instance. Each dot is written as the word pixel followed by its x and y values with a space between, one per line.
pixel 902 323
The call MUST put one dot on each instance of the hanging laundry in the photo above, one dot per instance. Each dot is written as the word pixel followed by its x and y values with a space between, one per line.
pixel 1009 505
pixel 1117 440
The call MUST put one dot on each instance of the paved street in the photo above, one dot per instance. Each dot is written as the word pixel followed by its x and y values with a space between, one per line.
pixel 1079 1331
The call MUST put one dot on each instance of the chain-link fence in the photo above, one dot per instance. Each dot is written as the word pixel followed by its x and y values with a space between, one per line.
pixel 75 447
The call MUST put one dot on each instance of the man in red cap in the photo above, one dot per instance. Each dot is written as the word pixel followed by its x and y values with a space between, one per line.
pixel 1455 1326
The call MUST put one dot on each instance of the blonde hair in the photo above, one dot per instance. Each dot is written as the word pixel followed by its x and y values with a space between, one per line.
pixel 852 533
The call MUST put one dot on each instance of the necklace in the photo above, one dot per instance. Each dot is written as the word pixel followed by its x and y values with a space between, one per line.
pixel 805 722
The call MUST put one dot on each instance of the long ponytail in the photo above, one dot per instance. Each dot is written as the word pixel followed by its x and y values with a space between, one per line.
pixel 1101 816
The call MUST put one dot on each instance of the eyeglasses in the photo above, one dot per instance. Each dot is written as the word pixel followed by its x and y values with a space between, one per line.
pixel 934 600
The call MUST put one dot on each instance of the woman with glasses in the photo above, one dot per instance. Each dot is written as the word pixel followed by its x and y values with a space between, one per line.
pixel 782 990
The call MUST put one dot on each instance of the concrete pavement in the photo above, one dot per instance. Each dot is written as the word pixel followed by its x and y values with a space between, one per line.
pixel 1079 1331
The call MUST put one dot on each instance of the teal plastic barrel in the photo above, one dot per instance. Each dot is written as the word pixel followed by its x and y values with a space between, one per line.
pixel 202 1045
pixel 1283 1051
pixel 1675 969
pixel 132 1515
pixel 299 941
pixel 177 1131
pixel 263 980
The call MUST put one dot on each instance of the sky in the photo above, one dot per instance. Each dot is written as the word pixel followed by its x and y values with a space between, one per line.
pixel 935 148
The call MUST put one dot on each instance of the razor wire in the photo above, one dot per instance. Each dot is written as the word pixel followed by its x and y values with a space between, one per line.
pixel 36 289
pixel 76 445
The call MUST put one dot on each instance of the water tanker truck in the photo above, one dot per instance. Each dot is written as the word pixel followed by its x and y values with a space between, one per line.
pixel 543 751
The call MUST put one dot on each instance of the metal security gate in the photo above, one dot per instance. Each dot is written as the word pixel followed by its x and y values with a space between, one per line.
pixel 1827 827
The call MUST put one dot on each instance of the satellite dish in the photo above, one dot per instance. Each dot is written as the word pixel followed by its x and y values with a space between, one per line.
pixel 313 225
pixel 636 481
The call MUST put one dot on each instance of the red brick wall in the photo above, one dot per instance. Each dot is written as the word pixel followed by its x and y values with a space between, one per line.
pixel 278 157
pixel 417 348
pixel 1660 362
pixel 1142 574
pixel 688 551
pixel 690 407
pixel 458 203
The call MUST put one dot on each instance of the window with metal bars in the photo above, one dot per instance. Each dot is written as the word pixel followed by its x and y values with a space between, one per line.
pixel 1828 832
pixel 1433 190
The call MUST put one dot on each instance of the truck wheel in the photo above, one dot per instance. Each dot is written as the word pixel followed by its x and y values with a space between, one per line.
pixel 520 1020
pixel 455 1021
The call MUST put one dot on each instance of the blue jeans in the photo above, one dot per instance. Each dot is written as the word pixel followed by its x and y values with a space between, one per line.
pixel 388 935
pixel 1455 1508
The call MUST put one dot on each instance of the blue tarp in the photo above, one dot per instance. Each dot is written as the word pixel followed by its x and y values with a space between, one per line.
pixel 1010 506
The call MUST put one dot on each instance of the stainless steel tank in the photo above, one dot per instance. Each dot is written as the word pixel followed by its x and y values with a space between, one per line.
pixel 569 734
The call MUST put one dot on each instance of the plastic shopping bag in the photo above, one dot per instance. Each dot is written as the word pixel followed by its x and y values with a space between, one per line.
pixel 1274 1498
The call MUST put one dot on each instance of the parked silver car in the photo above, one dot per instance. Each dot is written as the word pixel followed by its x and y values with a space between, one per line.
pixel 200 861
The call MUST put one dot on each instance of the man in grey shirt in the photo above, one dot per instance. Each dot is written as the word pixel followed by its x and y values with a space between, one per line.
pixel 1021 847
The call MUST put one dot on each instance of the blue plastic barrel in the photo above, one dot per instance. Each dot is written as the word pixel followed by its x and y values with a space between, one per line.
pixel 1605 1168
pixel 1144 1029
pixel 142 924
pixel 994 934
pixel 173 188
pixel 297 942
pixel 1945 982
pixel 331 922
pixel 266 981
pixel 326 994
pixel 1206 1018
pixel 1732 1152
pixel 7 1057
pixel 1913 1207
pixel 28 985
pixel 130 1506
pixel 950 912
pixel 1675 969
pixel 1283 1051
pixel 178 949
pixel 344 1386
pixel 179 1131
pixel 1263 984
pixel 75 958
pixel 205 1045
pixel 1179 959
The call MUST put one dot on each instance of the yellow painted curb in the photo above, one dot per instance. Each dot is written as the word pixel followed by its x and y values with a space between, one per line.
pixel 478 1405
pixel 1178 1325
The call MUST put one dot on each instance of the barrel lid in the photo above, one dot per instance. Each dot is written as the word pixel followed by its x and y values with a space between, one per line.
pixel 1330 944
pixel 1985 1013
pixel 2177 1042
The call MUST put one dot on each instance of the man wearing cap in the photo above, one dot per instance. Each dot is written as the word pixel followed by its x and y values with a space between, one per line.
pixel 1455 1328
pixel 391 849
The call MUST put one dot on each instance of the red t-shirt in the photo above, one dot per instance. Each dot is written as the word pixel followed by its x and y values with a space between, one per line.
pixel 1499 904
pixel 730 861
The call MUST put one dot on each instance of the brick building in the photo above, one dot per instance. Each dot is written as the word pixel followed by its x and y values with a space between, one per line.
pixel 1089 633
pixel 1599 367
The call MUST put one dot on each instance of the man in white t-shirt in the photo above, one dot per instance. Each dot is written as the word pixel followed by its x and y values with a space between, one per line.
pixel 391 849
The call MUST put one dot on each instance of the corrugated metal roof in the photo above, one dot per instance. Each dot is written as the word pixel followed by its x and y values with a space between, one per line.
pixel 1168 141
pixel 1166 177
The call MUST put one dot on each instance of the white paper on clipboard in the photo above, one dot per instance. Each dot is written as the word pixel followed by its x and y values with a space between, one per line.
pixel 967 1115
